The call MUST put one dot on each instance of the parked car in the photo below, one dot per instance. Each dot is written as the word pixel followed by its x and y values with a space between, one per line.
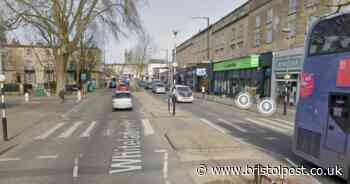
pixel 122 87
pixel 148 85
pixel 158 88
pixel 183 93
pixel 71 88
pixel 122 100
pixel 142 83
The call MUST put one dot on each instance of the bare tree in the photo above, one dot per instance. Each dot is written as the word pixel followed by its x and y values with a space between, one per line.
pixel 61 22
pixel 140 53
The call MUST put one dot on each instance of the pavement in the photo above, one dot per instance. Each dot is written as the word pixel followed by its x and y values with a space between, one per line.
pixel 87 143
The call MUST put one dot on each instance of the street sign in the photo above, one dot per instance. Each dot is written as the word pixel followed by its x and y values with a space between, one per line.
pixel 201 72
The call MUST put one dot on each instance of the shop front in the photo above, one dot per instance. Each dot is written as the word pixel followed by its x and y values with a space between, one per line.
pixel 195 76
pixel 287 66
pixel 237 75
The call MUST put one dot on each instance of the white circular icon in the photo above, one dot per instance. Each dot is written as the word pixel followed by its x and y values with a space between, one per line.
pixel 243 101
pixel 267 107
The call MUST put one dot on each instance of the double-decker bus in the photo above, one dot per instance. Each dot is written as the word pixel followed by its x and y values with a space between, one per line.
pixel 322 123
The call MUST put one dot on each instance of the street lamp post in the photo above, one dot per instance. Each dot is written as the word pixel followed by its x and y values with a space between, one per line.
pixel 286 77
pixel 174 64
pixel 4 119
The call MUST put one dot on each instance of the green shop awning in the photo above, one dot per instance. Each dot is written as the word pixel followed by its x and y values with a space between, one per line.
pixel 251 61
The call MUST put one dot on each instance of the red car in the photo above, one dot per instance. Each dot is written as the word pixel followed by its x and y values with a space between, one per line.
pixel 122 87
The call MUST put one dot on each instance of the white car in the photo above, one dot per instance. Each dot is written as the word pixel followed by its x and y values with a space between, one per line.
pixel 183 93
pixel 158 88
pixel 122 100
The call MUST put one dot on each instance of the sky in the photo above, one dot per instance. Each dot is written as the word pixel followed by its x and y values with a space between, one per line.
pixel 161 17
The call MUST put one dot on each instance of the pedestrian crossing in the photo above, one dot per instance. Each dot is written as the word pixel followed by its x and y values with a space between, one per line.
pixel 64 130
pixel 250 124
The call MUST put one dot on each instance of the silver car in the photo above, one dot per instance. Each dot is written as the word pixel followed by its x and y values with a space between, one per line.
pixel 158 88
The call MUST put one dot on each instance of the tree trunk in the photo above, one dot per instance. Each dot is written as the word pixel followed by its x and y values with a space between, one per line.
pixel 61 63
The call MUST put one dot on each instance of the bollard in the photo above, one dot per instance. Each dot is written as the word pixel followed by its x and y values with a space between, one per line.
pixel 4 120
pixel 26 97
pixel 78 96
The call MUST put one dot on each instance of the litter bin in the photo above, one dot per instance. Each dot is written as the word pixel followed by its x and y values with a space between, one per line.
pixel 39 92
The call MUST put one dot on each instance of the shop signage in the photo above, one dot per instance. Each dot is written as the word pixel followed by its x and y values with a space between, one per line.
pixel 290 62
pixel 251 61
pixel 201 71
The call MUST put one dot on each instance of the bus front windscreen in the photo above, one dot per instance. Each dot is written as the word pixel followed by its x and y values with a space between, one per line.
pixel 331 36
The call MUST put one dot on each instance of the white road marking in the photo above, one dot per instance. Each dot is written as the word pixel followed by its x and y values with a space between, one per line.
pixel 291 162
pixel 147 127
pixel 216 127
pixel 233 125
pixel 75 168
pixel 276 123
pixel 267 125
pixel 49 132
pixel 70 131
pixel 9 159
pixel 285 121
pixel 128 157
pixel 88 130
pixel 165 165
pixel 47 157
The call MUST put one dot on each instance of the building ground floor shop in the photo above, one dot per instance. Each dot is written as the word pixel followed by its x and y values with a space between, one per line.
pixel 247 74
pixel 287 63
pixel 196 76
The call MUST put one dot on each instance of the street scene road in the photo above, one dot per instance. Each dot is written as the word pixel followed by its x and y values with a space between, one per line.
pixel 175 92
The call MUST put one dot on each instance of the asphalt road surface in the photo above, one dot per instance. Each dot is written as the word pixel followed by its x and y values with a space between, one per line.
pixel 92 145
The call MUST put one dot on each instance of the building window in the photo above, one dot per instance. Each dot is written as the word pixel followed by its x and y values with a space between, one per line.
pixel 233 34
pixel 257 31
pixel 292 25
pixel 269 22
pixel 257 21
pixel 293 5
pixel 269 18
pixel 269 33
pixel 257 38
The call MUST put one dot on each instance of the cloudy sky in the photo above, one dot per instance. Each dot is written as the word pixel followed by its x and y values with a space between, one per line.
pixel 161 17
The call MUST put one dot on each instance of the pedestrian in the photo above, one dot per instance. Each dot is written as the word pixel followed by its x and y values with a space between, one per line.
pixel 61 94
pixel 203 91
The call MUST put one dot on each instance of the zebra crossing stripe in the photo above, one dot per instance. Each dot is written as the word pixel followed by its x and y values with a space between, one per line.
pixel 49 132
pixel 87 132
pixel 279 129
pixel 233 125
pixel 276 123
pixel 71 130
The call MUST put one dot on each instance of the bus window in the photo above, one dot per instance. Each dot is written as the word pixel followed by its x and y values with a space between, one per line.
pixel 331 36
